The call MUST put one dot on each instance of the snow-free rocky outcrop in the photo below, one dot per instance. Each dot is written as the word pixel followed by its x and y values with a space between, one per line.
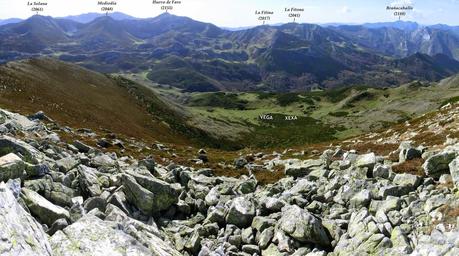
pixel 60 198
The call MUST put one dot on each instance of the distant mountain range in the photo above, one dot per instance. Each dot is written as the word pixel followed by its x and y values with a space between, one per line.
pixel 88 17
pixel 9 21
pixel 197 56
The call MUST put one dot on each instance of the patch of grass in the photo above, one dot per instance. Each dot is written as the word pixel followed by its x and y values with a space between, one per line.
pixel 339 94
pixel 339 114
pixel 176 121
pixel 448 101
pixel 265 95
pixel 221 100
pixel 183 78
pixel 286 99
pixel 280 132
pixel 359 97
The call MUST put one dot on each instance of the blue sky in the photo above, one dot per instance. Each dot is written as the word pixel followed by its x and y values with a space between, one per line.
pixel 236 13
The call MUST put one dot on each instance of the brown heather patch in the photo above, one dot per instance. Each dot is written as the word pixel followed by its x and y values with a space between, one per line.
pixel 454 134
pixel 263 177
pixel 393 156
pixel 379 149
pixel 411 166
pixel 429 138
pixel 229 172
pixel 450 214
pixel 268 177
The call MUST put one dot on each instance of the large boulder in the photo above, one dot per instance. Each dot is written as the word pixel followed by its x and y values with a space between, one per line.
pixel 11 167
pixel 89 183
pixel 361 199
pixel 138 195
pixel 367 160
pixel 407 180
pixel 103 160
pixel 438 164
pixel 149 194
pixel 408 152
pixel 43 209
pixel 296 168
pixel 55 192
pixel 20 121
pixel 20 233
pixel 303 226
pixel 92 236
pixel 66 164
pixel 165 192
pixel 81 146
pixel 28 153
pixel 241 212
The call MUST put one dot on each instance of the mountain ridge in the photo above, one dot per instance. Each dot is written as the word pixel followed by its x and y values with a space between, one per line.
pixel 218 59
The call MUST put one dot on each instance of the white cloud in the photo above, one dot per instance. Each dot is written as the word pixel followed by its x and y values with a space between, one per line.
pixel 399 3
pixel 345 9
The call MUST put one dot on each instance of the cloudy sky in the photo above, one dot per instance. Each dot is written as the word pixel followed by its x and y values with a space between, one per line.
pixel 236 13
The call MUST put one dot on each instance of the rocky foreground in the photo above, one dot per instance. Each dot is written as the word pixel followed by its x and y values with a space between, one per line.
pixel 61 198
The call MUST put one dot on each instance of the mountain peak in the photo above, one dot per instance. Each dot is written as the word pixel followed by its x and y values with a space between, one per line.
pixel 165 14
pixel 103 19
pixel 39 18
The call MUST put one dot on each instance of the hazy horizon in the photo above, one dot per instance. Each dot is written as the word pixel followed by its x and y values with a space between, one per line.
pixel 240 13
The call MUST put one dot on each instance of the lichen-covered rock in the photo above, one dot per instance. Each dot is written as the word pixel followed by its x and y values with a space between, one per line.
pixel 361 199
pixel 241 212
pixel 454 170
pixel 20 233
pixel 11 167
pixel 407 180
pixel 149 194
pixel 400 241
pixel 165 193
pixel 11 145
pixel 45 211
pixel 381 171
pixel 297 168
pixel 247 186
pixel 81 146
pixel 92 236
pixel 89 182
pixel 66 164
pixel 303 226
pixel 138 195
pixel 438 164
pixel 437 243
pixel 367 160
pixel 103 160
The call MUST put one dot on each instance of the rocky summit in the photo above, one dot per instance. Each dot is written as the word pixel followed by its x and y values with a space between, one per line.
pixel 71 198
